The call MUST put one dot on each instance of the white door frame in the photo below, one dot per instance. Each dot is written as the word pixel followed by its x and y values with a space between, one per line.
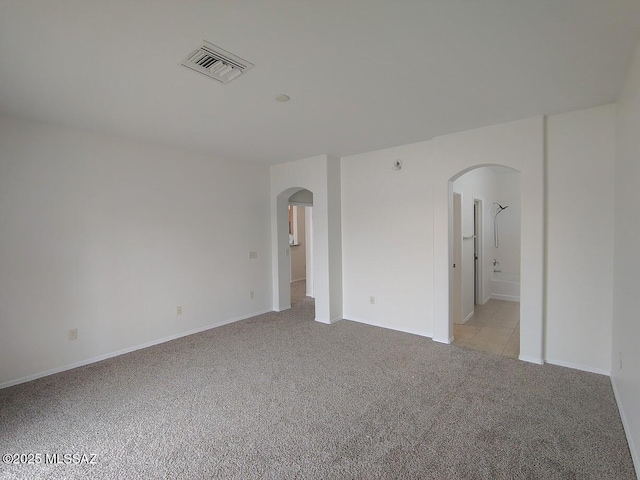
pixel 479 250
pixel 455 297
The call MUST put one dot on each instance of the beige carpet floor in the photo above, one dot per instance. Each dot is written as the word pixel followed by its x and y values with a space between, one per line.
pixel 281 396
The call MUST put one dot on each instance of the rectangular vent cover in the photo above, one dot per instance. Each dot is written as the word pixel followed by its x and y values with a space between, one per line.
pixel 216 63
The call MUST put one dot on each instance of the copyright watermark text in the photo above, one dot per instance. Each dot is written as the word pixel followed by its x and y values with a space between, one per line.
pixel 49 458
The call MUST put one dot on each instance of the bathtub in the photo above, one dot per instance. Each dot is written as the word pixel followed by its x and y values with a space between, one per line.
pixel 505 286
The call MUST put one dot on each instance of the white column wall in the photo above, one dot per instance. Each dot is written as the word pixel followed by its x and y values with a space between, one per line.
pixel 580 238
pixel 334 210
pixel 625 373
pixel 308 226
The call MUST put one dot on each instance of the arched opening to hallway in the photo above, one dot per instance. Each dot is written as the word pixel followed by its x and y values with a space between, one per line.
pixel 293 269
pixel 321 176
pixel 300 227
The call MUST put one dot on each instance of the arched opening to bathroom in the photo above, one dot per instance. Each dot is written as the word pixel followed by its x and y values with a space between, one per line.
pixel 294 233
pixel 485 252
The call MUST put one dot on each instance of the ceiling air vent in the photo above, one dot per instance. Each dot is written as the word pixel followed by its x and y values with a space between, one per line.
pixel 216 63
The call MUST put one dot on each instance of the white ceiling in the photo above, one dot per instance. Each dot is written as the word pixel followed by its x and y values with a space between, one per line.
pixel 362 74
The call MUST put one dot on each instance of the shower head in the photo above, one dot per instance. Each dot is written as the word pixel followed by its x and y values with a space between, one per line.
pixel 499 208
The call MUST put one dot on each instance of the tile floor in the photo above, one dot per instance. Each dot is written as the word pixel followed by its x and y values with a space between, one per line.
pixel 495 328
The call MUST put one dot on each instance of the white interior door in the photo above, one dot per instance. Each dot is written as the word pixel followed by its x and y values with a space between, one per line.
pixel 455 299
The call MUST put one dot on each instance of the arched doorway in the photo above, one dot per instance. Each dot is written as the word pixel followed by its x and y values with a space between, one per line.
pixel 519 145
pixel 285 230
pixel 300 247
pixel 321 176
pixel 485 258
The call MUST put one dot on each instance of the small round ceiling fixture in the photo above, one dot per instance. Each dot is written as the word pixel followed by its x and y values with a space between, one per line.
pixel 281 97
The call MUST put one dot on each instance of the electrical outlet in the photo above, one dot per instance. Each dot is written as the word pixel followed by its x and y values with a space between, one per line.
pixel 372 300
pixel 179 310
pixel 253 255
pixel 251 294
pixel 73 334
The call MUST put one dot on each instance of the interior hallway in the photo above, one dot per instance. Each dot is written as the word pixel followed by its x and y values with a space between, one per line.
pixel 299 293
pixel 494 328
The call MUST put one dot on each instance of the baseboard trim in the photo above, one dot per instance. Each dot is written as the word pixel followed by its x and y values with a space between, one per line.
pixel 506 298
pixel 330 321
pixel 443 340
pixel 468 317
pixel 537 361
pixel 123 351
pixel 377 324
pixel 635 456
pixel 576 366
pixel 298 279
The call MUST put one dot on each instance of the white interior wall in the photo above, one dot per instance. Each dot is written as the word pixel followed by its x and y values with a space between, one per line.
pixel 109 236
pixel 388 239
pixel 507 188
pixel 626 299
pixel 382 207
pixel 580 223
